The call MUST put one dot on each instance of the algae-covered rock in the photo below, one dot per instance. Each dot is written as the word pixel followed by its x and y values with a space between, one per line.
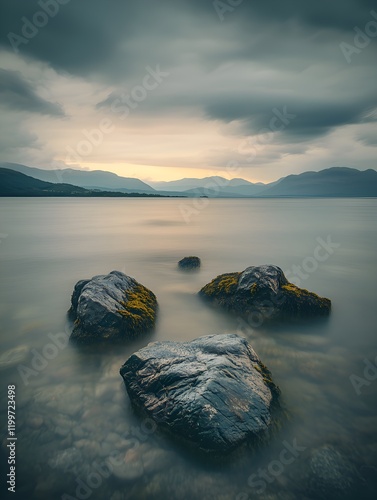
pixel 213 392
pixel 263 293
pixel 111 307
pixel 189 263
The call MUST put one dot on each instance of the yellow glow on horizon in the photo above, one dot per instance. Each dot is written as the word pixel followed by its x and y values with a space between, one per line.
pixel 157 173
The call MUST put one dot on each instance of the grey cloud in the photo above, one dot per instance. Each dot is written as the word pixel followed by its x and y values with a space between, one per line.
pixel 18 94
pixel 15 139
pixel 275 54
pixel 117 37
pixel 293 105
pixel 369 138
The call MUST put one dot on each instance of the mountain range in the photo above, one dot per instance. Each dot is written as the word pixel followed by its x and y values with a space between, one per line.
pixel 331 182
pixel 13 183
pixel 89 179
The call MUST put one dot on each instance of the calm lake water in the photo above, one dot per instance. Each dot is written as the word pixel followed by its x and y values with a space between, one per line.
pixel 73 413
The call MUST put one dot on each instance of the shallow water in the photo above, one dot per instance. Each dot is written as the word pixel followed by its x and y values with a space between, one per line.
pixel 73 413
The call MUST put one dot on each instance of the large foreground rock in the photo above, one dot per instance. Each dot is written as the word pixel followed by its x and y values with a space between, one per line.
pixel 213 392
pixel 113 306
pixel 263 293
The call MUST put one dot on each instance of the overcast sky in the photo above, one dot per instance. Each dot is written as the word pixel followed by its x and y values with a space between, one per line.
pixel 164 89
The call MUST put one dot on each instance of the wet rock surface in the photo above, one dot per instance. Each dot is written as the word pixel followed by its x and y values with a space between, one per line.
pixel 111 307
pixel 263 294
pixel 212 392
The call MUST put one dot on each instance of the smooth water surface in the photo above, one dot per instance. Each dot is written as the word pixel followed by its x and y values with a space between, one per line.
pixel 73 413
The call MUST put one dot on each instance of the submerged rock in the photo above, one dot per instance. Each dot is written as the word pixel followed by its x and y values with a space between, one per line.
pixel 213 392
pixel 331 475
pixel 111 307
pixel 263 293
pixel 189 263
pixel 13 357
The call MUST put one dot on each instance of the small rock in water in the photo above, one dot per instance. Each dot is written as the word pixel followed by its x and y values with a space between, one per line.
pixel 156 459
pixel 213 392
pixel 13 357
pixel 66 460
pixel 89 448
pixel 62 431
pixel 35 422
pixel 189 263
pixel 330 474
pixel 131 466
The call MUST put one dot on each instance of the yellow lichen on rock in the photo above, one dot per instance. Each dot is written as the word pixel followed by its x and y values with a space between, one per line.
pixel 223 284
pixel 139 308
pixel 302 293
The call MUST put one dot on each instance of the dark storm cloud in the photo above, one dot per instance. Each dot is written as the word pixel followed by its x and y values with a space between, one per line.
pixel 113 41
pixel 338 14
pixel 92 36
pixel 296 117
pixel 112 37
pixel 18 94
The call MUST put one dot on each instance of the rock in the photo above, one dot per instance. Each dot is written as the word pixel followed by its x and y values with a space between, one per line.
pixel 35 422
pixel 89 448
pixel 60 398
pixel 155 459
pixel 189 263
pixel 111 307
pixel 13 357
pixel 130 467
pixel 213 392
pixel 66 460
pixel 263 293
pixel 331 475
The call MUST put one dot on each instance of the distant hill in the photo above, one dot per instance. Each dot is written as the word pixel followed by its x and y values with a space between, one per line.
pixel 211 186
pixel 332 182
pixel 96 179
pixel 14 183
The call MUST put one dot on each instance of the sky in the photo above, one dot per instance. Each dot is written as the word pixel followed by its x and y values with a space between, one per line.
pixel 166 89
